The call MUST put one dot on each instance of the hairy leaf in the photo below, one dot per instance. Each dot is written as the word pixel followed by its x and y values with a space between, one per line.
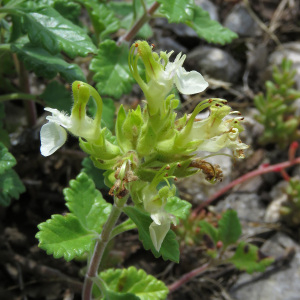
pixel 210 30
pixel 229 228
pixel 87 203
pixel 7 160
pixel 136 282
pixel 169 248
pixel 69 10
pixel 177 11
pixel 178 207
pixel 246 258
pixel 64 236
pixel 44 64
pixel 111 69
pixel 210 230
pixel 47 28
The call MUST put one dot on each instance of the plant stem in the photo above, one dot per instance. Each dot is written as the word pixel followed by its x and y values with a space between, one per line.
pixel 100 246
pixel 139 24
pixel 20 96
pixel 261 170
pixel 188 276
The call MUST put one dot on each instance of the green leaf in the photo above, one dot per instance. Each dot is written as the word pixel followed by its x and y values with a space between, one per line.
pixel 210 30
pixel 229 228
pixel 57 96
pixel 178 207
pixel 94 173
pixel 110 295
pixel 68 10
pixel 111 69
pixel 136 282
pixel 87 203
pixel 64 236
pixel 46 27
pixel 177 11
pixel 169 248
pixel 246 258
pixel 7 160
pixel 210 230
pixel 10 186
pixel 44 64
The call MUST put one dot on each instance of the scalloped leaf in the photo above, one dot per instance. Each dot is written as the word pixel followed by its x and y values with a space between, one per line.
pixel 57 96
pixel 64 236
pixel 178 207
pixel 210 30
pixel 136 282
pixel 87 203
pixel 10 186
pixel 177 11
pixel 169 249
pixel 246 258
pixel 110 295
pixel 229 228
pixel 46 27
pixel 111 69
pixel 45 64
pixel 210 230
pixel 7 160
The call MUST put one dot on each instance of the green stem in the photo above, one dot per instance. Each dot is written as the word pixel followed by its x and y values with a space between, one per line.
pixel 125 226
pixel 11 11
pixel 100 246
pixel 20 96
pixel 139 24
pixel 5 47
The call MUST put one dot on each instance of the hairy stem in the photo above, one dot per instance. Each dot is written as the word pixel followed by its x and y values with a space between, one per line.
pixel 139 24
pixel 20 96
pixel 92 272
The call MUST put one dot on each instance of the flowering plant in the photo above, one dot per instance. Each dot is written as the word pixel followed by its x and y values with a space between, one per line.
pixel 151 146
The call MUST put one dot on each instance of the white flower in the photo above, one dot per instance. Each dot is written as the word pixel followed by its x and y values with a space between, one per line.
pixel 53 134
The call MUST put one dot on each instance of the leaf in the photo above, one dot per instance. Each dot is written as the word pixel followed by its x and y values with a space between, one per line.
pixel 93 173
pixel 57 96
pixel 111 69
pixel 7 160
pixel 10 186
pixel 68 10
pixel 133 281
pixel 87 203
pixel 246 258
pixel 47 28
pixel 177 11
pixel 64 236
pixel 110 295
pixel 210 230
pixel 44 64
pixel 210 30
pixel 178 207
pixel 169 248
pixel 229 228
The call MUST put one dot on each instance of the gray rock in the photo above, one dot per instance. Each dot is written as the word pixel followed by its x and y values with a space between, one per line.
pixel 277 284
pixel 168 44
pixel 240 21
pixel 214 62
pixel 290 51
pixel 209 7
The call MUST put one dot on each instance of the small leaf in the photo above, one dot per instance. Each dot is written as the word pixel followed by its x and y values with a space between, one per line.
pixel 63 236
pixel 7 160
pixel 177 11
pixel 169 248
pixel 46 27
pixel 10 186
pixel 178 207
pixel 210 30
pixel 136 282
pixel 68 10
pixel 210 230
pixel 110 295
pixel 87 203
pixel 111 69
pixel 229 228
pixel 44 64
pixel 57 96
pixel 246 258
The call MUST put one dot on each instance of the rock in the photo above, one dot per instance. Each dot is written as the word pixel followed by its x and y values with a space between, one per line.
pixel 292 52
pixel 277 284
pixel 214 62
pixel 209 7
pixel 168 44
pixel 240 21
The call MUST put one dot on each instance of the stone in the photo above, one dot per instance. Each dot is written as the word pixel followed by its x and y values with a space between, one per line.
pixel 240 21
pixel 275 284
pixel 209 7
pixel 215 63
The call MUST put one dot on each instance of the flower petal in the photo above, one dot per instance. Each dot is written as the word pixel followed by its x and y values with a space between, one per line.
pixel 59 118
pixel 189 82
pixel 158 233
pixel 52 138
